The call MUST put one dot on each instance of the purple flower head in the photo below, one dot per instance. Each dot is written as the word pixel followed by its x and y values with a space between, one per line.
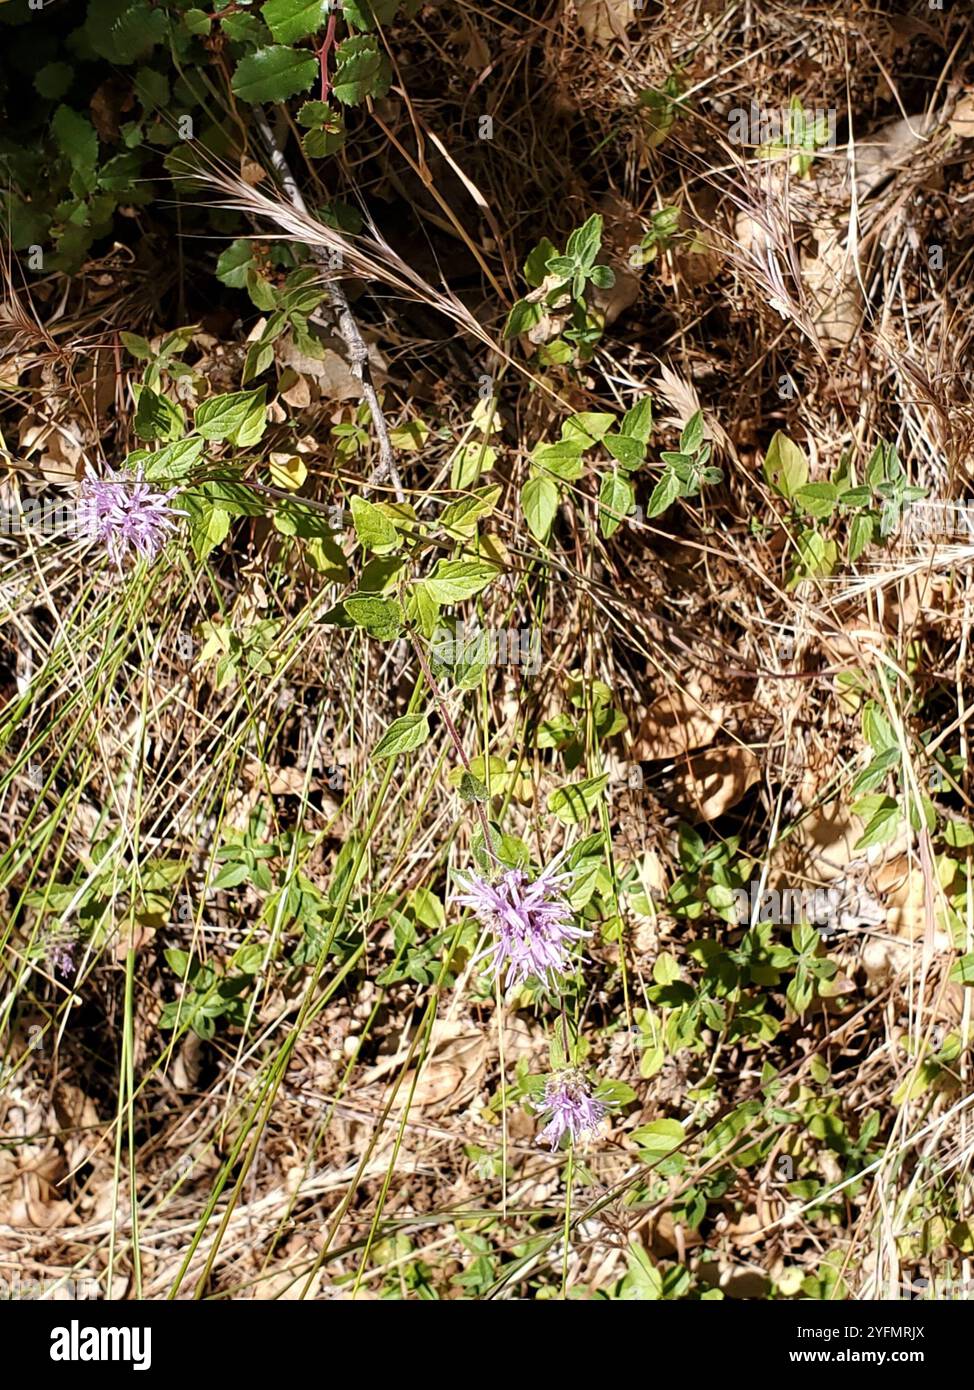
pixel 123 512
pixel 572 1108
pixel 531 922
pixel 60 957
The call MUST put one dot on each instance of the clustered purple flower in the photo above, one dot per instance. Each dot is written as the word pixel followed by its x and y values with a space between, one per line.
pixel 573 1109
pixel 531 922
pixel 60 956
pixel 123 512
pixel 533 936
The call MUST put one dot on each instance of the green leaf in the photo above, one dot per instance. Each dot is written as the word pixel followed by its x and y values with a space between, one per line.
pixel 876 467
pixel 170 464
pixel 469 462
pixel 424 610
pixel 259 358
pixel 658 1138
pixel 178 961
pixel 876 728
pixel 362 70
pixel 816 555
pixel 244 28
pixel 522 317
pixel 381 573
pixel 249 959
pixel 666 491
pixel 615 1093
pixel 692 436
pixel 364 14
pixel 871 776
pixel 402 736
pixel 923 813
pixel 314 113
pixel 53 80
pixel 860 535
pixel 373 527
pixel 317 144
pixel 564 459
pixel 643 1282
pixel 381 617
pixel 460 518
pixel 152 89
pixel 123 30
pixel 539 502
pixel 666 970
pixel 958 834
pixel 410 436
pixel 234 262
pixel 196 21
pixel 586 427
pixel 455 580
pixel 238 417
pixel 274 74
pixel 962 971
pixel 616 497
pixel 327 133
pixel 156 417
pixel 536 265
pixel 882 825
pixel 207 528
pixel 574 803
pixel 851 497
pixel 817 499
pixel 626 450
pixel 76 139
pixel 262 293
pixel 290 20
pixel 584 243
pixel 637 422
pixel 25 224
pixel 472 789
pixel 785 466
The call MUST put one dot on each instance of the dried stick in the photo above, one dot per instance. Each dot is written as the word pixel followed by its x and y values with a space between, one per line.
pixel 348 329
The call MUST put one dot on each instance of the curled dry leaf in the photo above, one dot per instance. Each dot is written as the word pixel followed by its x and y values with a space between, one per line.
pixel 713 781
pixel 451 1073
pixel 900 880
pixel 622 296
pixel 330 372
pixel 679 721
pixel 605 20
pixel 250 171
pixel 821 846
pixel 961 122
pixel 834 293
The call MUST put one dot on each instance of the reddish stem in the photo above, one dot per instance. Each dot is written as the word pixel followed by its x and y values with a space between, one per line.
pixel 323 52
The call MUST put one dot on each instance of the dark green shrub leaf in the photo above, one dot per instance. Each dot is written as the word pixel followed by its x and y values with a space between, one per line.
pixel 274 74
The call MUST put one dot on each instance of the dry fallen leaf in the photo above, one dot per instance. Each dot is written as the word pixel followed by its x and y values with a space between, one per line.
pixel 820 847
pixel 890 147
pixel 605 20
pixel 622 296
pixel 250 171
pixel 294 389
pixel 962 121
pixel 451 1073
pixel 330 373
pixel 477 54
pixel 713 781
pixel 679 721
